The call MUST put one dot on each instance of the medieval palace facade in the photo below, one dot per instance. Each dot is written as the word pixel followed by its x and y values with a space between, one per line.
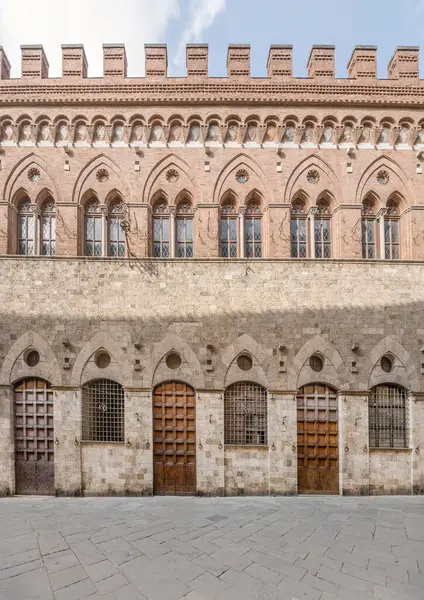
pixel 212 285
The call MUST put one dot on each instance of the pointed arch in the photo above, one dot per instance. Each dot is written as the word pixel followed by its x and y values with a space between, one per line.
pixel 404 372
pixel 328 181
pixel 229 373
pixel 334 370
pixel 87 178
pixel 170 161
pixel 190 370
pixel 14 366
pixel 399 181
pixel 18 178
pixel 258 180
pixel 85 369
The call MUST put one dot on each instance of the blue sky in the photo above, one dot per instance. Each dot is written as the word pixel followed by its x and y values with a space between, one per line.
pixel 384 23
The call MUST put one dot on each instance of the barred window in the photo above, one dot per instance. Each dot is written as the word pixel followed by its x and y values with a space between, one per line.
pixel 229 227
pixel 184 230
pixel 245 414
pixel 93 229
pixel 298 230
pixel 26 228
pixel 388 417
pixel 48 228
pixel 116 230
pixel 253 230
pixel 161 229
pixel 102 411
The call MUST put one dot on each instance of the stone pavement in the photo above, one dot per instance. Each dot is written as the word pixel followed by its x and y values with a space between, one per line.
pixel 314 548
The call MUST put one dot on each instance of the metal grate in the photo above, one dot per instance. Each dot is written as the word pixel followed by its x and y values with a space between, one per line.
pixel 245 414
pixel 388 417
pixel 103 411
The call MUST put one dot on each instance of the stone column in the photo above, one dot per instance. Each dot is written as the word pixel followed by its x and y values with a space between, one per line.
pixel 381 234
pixel 210 442
pixel 7 444
pixel 241 231
pixel 282 435
pixel 138 442
pixel 67 433
pixel 311 218
pixel 172 232
pixel 104 230
pixel 353 443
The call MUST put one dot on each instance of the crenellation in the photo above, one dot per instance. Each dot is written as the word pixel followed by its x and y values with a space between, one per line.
pixel 238 60
pixel 74 61
pixel 321 62
pixel 280 61
pixel 114 60
pixel 156 60
pixel 404 64
pixel 197 60
pixel 363 63
pixel 34 62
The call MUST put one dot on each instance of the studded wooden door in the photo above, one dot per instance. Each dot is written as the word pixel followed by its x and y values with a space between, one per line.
pixel 317 440
pixel 174 439
pixel 34 438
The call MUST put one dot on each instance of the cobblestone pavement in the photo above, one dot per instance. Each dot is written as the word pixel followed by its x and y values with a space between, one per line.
pixel 201 549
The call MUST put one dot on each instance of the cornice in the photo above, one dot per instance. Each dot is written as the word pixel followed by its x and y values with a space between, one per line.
pixel 209 91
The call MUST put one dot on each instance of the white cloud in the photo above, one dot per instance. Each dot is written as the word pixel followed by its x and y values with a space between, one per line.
pixel 88 22
pixel 202 14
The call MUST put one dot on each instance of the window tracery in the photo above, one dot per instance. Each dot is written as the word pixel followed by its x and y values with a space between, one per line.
pixel 253 229
pixel 229 230
pixel 184 229
pixel 368 226
pixel 161 229
pixel 298 229
pixel 26 228
pixel 48 227
pixel 391 231
pixel 116 226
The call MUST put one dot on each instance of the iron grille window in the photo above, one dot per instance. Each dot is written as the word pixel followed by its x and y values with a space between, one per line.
pixel 322 238
pixel 388 417
pixel 185 237
pixel 103 411
pixel 368 238
pixel 26 229
pixel 391 239
pixel 245 414
pixel 298 237
pixel 229 241
pixel 48 228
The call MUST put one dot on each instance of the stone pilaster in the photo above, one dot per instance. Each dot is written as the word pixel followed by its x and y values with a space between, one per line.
pixel 282 436
pixel 7 464
pixel 353 443
pixel 67 450
pixel 210 443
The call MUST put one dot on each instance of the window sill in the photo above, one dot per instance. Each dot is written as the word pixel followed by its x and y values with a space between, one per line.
pixel 390 449
pixel 247 446
pixel 102 443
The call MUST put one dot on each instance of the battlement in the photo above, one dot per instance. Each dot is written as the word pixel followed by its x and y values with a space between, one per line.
pixel 362 66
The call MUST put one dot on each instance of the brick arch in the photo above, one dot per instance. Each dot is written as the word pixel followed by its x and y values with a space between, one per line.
pixel 85 369
pixel 404 372
pixel 399 182
pixel 18 179
pixel 334 372
pixel 87 180
pixel 157 179
pixel 14 367
pixel 328 181
pixel 228 371
pixel 190 371
pixel 258 181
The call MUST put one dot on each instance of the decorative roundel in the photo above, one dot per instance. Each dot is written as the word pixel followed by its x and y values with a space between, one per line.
pixel 173 360
pixel 386 364
pixel 102 359
pixel 312 176
pixel 316 363
pixel 242 176
pixel 34 175
pixel 172 176
pixel 102 175
pixel 244 362
pixel 383 177
pixel 32 358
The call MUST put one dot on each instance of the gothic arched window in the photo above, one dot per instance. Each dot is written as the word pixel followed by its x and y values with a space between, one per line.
pixel 93 228
pixel 228 226
pixel 116 229
pixel 253 230
pixel 26 228
pixel 245 414
pixel 391 231
pixel 299 237
pixel 103 413
pixel 322 231
pixel 161 228
pixel 388 417
pixel 184 229
pixel 368 229
pixel 48 228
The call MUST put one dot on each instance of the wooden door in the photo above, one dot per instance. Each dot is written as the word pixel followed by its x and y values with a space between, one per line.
pixel 34 438
pixel 174 439
pixel 317 440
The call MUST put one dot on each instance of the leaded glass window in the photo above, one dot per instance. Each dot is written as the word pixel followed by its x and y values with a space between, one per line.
pixel 26 228
pixel 388 417
pixel 298 230
pixel 322 238
pixel 184 230
pixel 253 230
pixel 368 230
pixel 93 229
pixel 229 231
pixel 245 414
pixel 391 232
pixel 116 218
pixel 161 230
pixel 48 228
